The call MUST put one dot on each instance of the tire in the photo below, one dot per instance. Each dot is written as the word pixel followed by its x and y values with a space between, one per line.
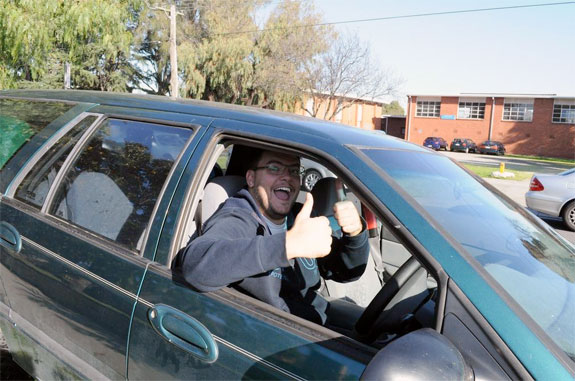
pixel 309 179
pixel 568 215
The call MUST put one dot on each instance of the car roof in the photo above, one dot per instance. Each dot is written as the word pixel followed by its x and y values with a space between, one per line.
pixel 338 133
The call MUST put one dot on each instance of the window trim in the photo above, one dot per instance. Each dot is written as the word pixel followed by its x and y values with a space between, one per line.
pixel 569 104
pixel 419 111
pixel 76 151
pixel 521 103
pixel 472 104
pixel 15 183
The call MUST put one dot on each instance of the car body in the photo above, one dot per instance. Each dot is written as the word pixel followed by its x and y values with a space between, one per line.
pixel 100 191
pixel 492 147
pixel 313 172
pixel 553 195
pixel 436 143
pixel 463 145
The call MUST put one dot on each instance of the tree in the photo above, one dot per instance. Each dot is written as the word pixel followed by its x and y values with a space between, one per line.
pixel 37 38
pixel 223 57
pixel 342 76
pixel 393 108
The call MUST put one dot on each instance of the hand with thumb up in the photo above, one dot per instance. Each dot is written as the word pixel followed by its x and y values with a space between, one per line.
pixel 309 237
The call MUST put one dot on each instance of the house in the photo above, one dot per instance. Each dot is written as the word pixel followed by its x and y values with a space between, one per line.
pixel 357 112
pixel 528 124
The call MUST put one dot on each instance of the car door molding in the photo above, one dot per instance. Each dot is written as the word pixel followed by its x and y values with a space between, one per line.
pixel 79 268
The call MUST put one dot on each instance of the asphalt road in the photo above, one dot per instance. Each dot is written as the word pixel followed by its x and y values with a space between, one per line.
pixel 513 189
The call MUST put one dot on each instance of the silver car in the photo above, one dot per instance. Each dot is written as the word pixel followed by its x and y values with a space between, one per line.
pixel 312 173
pixel 553 195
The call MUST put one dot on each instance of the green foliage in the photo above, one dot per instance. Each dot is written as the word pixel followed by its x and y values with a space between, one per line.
pixel 393 108
pixel 37 38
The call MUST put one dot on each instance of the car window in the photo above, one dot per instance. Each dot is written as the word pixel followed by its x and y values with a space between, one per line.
pixel 387 253
pixel 20 120
pixel 35 186
pixel 111 188
pixel 533 266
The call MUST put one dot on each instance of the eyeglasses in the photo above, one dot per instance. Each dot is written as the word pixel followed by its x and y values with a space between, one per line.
pixel 280 169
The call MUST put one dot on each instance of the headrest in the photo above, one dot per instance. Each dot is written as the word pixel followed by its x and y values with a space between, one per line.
pixel 324 196
pixel 218 190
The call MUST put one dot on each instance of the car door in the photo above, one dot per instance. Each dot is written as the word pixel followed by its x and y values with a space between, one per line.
pixel 178 333
pixel 82 215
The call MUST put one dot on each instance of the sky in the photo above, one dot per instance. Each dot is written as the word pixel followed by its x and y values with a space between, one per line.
pixel 521 51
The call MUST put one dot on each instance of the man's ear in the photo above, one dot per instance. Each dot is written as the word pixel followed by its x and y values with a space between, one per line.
pixel 250 178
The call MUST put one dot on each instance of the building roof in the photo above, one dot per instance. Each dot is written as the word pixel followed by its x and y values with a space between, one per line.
pixel 496 95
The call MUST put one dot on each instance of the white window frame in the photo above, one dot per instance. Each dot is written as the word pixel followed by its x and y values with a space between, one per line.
pixel 563 112
pixel 518 110
pixel 471 108
pixel 428 107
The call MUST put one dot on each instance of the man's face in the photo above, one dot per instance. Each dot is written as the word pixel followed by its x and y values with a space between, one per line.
pixel 275 193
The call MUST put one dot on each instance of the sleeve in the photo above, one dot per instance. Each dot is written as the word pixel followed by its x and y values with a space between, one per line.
pixel 229 251
pixel 347 259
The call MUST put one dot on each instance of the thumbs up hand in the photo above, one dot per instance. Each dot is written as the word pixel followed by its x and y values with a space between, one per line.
pixel 309 237
pixel 347 217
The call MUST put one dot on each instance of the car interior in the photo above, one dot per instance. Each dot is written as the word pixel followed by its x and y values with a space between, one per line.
pixel 394 296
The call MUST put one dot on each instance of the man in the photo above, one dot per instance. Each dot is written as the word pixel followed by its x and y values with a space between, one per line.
pixel 264 245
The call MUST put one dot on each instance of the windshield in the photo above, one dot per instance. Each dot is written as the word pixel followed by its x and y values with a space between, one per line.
pixel 535 267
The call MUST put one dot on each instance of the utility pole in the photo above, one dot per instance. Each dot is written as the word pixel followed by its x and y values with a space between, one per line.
pixel 174 86
pixel 174 83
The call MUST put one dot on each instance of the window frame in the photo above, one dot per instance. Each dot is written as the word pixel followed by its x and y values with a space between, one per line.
pixel 33 161
pixel 476 110
pixel 559 107
pixel 101 118
pixel 517 106
pixel 423 108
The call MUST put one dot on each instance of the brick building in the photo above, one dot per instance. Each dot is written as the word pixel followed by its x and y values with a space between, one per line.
pixel 358 112
pixel 541 125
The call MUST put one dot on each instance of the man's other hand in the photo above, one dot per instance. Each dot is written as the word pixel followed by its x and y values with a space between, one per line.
pixel 309 237
pixel 347 217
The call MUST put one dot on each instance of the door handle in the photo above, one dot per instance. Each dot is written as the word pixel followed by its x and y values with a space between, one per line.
pixel 9 237
pixel 184 331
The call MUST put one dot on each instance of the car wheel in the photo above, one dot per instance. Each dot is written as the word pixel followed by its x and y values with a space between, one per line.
pixel 310 178
pixel 569 215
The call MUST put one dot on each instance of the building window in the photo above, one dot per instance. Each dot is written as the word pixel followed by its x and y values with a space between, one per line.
pixel 471 110
pixel 518 110
pixel 428 109
pixel 564 113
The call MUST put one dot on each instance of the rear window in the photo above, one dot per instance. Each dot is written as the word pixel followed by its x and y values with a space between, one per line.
pixel 21 120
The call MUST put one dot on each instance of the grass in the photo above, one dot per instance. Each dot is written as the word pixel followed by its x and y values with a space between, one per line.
pixel 484 171
pixel 548 159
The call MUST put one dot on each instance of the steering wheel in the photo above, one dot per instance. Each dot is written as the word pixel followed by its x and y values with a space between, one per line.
pixel 377 316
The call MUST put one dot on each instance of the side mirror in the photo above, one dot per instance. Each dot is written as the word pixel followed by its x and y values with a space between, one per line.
pixel 420 355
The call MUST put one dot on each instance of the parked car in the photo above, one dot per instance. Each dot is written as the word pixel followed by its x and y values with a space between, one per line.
pixel 99 191
pixel 492 146
pixel 463 145
pixel 436 143
pixel 313 172
pixel 553 195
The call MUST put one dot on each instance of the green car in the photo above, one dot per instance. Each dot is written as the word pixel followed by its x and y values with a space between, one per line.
pixel 100 191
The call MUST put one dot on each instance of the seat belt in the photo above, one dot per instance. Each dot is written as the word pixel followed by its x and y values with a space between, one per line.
pixel 198 219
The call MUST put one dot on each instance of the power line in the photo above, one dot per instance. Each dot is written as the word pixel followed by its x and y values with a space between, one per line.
pixel 399 17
